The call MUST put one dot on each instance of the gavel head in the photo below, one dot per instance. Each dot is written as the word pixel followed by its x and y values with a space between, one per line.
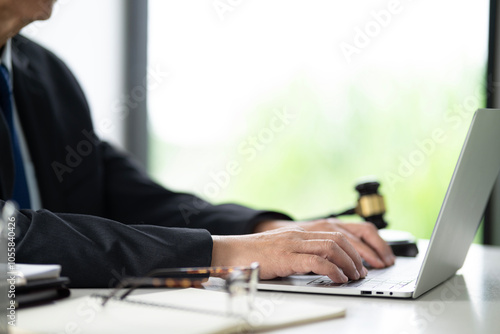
pixel 371 206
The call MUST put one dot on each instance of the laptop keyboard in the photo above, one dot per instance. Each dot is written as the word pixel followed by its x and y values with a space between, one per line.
pixel 379 284
pixel 392 278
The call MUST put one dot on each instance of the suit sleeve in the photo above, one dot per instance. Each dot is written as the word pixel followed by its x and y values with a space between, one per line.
pixel 133 198
pixel 143 227
pixel 98 252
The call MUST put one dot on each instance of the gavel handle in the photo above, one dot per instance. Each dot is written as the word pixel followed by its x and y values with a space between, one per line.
pixel 345 213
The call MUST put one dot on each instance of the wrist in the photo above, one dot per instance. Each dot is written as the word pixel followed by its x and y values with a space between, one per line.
pixel 232 250
pixel 216 250
pixel 268 225
pixel 223 252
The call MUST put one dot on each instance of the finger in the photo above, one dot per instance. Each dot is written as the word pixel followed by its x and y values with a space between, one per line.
pixel 330 250
pixel 371 237
pixel 373 248
pixel 342 241
pixel 366 252
pixel 313 263
pixel 354 232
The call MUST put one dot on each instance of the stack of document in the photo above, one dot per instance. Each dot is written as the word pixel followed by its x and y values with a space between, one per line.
pixel 37 283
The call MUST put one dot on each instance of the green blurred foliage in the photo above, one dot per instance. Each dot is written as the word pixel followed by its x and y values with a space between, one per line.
pixel 406 129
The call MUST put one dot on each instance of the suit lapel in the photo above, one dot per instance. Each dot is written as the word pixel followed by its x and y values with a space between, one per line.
pixel 34 107
pixel 6 161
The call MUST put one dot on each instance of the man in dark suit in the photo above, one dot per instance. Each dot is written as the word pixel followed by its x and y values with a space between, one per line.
pixel 90 208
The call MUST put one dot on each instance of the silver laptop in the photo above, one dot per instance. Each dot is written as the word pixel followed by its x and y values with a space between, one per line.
pixel 463 207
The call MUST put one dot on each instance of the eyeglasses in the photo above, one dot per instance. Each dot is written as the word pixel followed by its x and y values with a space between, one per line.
pixel 241 285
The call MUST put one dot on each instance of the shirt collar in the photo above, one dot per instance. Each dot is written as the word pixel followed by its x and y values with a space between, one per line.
pixel 6 57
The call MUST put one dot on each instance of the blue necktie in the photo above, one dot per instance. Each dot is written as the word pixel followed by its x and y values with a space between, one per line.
pixel 20 194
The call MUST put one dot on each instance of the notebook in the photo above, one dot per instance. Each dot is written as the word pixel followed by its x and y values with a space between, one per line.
pixel 475 174
pixel 145 314
pixel 38 283
pixel 30 272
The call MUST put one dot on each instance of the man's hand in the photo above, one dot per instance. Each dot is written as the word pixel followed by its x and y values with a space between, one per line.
pixel 363 236
pixel 286 251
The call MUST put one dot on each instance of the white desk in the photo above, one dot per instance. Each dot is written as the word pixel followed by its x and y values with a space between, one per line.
pixel 467 303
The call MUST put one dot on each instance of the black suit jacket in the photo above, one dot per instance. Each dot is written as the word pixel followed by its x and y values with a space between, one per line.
pixel 103 217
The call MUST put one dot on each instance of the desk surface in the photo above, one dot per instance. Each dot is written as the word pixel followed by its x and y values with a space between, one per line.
pixel 467 303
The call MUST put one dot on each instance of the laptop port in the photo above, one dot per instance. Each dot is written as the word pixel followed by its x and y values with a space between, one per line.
pixel 366 292
pixel 380 293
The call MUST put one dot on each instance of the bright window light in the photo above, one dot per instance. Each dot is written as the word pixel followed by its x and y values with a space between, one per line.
pixel 285 104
